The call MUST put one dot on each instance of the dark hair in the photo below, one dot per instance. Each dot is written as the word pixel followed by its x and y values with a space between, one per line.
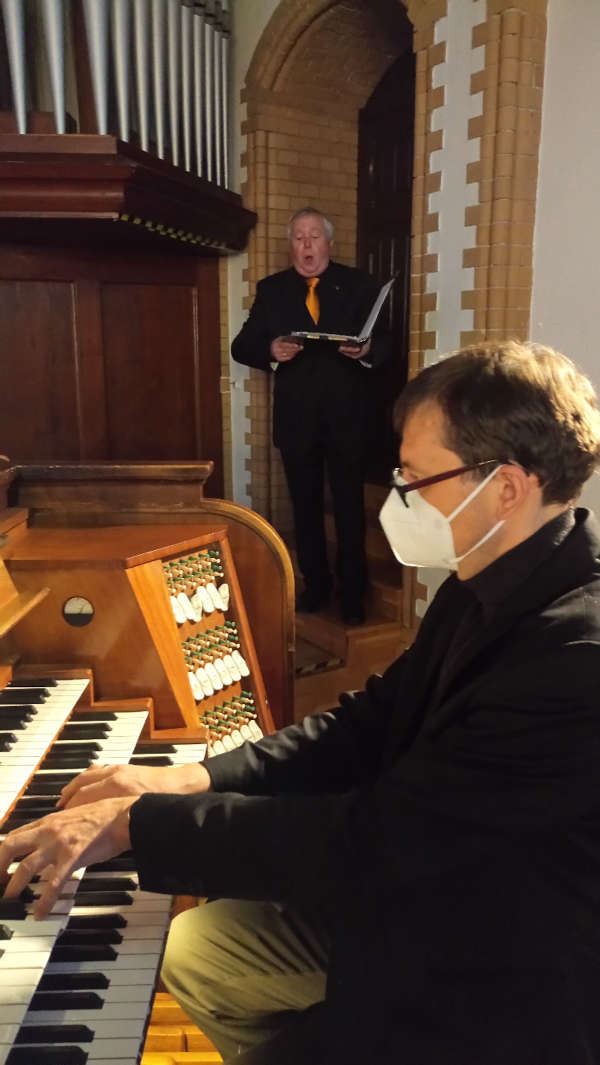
pixel 513 401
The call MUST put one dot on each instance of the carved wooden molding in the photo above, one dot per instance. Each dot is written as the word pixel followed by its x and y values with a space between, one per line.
pixel 79 185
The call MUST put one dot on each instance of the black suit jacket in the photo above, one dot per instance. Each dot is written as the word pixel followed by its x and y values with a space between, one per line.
pixel 451 830
pixel 319 386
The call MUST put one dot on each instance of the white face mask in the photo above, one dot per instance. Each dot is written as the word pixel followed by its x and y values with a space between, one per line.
pixel 419 535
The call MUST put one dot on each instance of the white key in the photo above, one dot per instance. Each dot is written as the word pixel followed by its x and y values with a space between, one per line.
pixel 213 676
pixel 241 662
pixel 207 603
pixel 114 1011
pixel 178 613
pixel 187 607
pixel 204 679
pixel 211 588
pixel 232 667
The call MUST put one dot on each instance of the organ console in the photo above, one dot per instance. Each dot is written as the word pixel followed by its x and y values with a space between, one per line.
pixel 117 643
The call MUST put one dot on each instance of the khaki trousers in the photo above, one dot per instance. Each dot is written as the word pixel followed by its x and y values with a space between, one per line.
pixel 248 973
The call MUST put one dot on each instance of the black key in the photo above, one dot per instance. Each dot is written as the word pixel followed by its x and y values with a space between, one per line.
pixel 81 937
pixel 155 748
pixel 73 1000
pixel 48 784
pixel 97 920
pixel 18 696
pixel 84 747
pixel 33 682
pixel 106 883
pixel 94 715
pixel 17 822
pixel 69 761
pixel 5 933
pixel 84 732
pixel 82 952
pixel 100 898
pixel 159 759
pixel 13 910
pixel 7 740
pixel 54 1033
pixel 59 778
pixel 25 896
pixel 122 863
pixel 73 981
pixel 62 1055
pixel 39 786
pixel 35 804
pixel 16 718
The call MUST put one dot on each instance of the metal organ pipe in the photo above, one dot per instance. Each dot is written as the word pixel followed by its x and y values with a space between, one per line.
pixel 209 84
pixel 226 33
pixel 178 49
pixel 158 72
pixel 141 35
pixel 198 46
pixel 174 74
pixel 12 11
pixel 95 13
pixel 121 54
pixel 52 18
pixel 187 83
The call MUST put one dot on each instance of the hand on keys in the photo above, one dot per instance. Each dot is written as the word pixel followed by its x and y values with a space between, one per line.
pixel 54 847
pixel 107 782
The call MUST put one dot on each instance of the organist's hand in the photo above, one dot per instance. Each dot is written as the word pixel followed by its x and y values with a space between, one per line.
pixel 107 782
pixel 60 843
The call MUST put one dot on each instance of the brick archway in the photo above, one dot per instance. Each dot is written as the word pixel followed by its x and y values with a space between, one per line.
pixel 315 65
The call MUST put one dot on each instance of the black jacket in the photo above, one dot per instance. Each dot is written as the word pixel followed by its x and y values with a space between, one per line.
pixel 452 830
pixel 319 387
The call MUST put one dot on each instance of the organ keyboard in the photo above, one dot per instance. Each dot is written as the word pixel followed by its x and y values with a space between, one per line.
pixel 77 987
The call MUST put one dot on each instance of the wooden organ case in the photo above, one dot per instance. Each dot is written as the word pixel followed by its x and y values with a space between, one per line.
pixel 117 643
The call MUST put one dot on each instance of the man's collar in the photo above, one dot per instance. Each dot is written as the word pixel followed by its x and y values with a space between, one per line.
pixel 496 583
pixel 322 276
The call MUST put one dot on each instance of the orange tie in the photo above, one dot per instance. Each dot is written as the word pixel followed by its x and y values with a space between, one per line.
pixel 312 300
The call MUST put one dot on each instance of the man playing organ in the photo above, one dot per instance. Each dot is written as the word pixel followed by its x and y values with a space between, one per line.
pixel 415 872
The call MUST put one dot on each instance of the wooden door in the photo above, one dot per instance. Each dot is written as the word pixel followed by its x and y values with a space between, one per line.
pixel 385 157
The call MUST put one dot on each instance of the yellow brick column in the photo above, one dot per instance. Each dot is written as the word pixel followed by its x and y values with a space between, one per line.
pixel 509 127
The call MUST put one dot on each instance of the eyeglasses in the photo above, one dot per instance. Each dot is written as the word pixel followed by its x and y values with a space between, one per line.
pixel 402 489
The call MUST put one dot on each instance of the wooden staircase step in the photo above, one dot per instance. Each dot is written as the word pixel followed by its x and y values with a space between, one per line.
pixel 370 649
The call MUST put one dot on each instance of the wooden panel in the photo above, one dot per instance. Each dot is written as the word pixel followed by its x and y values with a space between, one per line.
pixel 38 406
pixel 150 353
pixel 110 355
pixel 208 372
